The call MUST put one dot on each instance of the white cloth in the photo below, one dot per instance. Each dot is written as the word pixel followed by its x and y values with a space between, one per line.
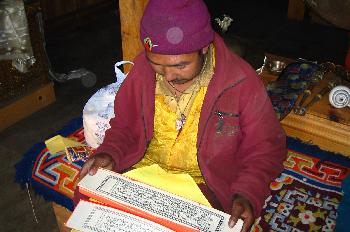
pixel 99 109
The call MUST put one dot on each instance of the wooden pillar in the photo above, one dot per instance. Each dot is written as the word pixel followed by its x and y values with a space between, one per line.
pixel 296 10
pixel 130 16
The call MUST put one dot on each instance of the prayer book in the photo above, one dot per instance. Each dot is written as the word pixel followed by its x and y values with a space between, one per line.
pixel 125 203
pixel 89 216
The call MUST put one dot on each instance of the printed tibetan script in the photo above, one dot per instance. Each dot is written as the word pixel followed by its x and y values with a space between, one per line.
pixel 92 217
pixel 158 202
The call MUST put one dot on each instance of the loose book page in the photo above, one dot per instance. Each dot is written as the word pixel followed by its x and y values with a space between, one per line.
pixel 117 188
pixel 91 217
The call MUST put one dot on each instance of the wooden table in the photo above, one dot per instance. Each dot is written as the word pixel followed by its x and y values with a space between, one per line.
pixel 62 215
pixel 322 125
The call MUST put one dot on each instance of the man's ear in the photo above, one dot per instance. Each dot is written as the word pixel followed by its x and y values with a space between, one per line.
pixel 205 49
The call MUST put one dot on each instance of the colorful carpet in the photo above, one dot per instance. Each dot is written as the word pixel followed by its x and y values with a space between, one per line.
pixel 305 197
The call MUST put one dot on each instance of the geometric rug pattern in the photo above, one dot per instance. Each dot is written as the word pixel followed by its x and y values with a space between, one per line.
pixel 305 197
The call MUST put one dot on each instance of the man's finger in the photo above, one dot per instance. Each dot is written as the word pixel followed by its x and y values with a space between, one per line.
pixel 247 224
pixel 86 168
pixel 94 167
pixel 100 163
pixel 237 210
pixel 110 166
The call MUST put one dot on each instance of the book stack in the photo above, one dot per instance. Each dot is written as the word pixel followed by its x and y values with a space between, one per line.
pixel 123 204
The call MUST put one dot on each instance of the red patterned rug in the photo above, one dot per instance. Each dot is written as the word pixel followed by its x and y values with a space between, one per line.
pixel 305 197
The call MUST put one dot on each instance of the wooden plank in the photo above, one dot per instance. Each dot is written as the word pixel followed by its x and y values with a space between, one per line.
pixel 296 10
pixel 131 12
pixel 328 135
pixel 62 215
pixel 26 105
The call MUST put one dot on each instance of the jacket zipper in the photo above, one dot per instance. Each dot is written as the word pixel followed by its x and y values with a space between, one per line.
pixel 145 130
pixel 206 124
pixel 221 114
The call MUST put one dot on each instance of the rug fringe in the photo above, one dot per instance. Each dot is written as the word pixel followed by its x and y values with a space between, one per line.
pixel 25 166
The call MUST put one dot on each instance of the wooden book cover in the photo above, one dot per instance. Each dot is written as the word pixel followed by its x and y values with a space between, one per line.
pixel 141 200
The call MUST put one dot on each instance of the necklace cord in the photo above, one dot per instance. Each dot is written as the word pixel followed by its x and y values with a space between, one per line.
pixel 197 78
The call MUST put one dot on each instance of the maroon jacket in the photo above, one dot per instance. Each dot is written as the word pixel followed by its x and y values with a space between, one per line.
pixel 241 145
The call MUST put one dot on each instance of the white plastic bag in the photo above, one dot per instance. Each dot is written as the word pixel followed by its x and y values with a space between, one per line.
pixel 99 109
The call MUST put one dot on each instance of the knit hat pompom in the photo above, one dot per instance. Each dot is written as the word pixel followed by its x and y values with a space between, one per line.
pixel 174 27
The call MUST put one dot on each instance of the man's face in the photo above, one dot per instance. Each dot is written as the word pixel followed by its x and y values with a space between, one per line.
pixel 177 69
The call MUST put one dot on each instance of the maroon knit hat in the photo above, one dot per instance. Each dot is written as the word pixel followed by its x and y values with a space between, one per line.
pixel 174 27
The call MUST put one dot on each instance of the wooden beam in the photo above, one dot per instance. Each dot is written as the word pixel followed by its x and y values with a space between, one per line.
pixel 131 12
pixel 296 10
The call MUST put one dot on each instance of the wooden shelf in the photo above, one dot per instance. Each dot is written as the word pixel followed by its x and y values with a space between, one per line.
pixel 26 93
pixel 26 105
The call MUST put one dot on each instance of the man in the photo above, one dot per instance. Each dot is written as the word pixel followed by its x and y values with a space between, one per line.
pixel 191 106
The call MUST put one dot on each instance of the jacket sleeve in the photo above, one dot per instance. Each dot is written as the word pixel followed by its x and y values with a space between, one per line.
pixel 263 145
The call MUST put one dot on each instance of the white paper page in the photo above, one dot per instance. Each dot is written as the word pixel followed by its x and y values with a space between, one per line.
pixel 91 217
pixel 118 188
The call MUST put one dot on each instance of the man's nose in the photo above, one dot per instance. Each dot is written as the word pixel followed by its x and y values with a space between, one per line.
pixel 169 75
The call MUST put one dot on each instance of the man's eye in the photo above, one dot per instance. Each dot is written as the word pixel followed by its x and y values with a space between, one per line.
pixel 181 66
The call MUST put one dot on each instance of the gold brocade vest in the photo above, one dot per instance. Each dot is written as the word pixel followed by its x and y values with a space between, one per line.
pixel 175 150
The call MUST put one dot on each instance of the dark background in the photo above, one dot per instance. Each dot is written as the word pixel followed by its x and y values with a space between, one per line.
pixel 264 25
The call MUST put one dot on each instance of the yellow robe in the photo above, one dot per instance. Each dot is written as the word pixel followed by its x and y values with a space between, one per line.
pixel 176 151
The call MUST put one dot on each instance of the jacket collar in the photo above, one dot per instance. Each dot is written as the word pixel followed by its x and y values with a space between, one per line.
pixel 227 71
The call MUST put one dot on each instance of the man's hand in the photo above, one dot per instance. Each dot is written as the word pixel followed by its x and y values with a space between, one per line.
pixel 241 208
pixel 101 160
